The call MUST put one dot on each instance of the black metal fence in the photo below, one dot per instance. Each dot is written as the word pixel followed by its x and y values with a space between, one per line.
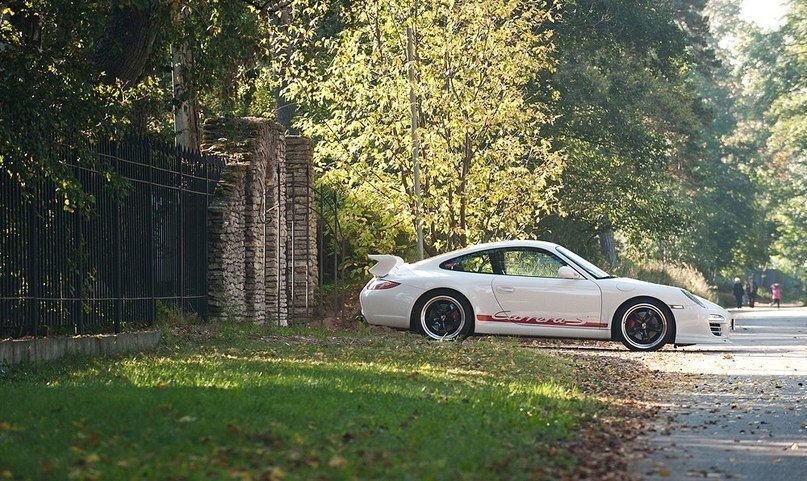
pixel 111 268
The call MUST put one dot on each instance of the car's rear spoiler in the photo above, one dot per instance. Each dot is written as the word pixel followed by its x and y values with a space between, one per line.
pixel 385 264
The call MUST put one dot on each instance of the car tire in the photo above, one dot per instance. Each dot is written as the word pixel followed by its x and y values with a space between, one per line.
pixel 443 315
pixel 644 325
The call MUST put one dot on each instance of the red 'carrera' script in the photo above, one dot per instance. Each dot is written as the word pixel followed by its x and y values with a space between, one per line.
pixel 538 320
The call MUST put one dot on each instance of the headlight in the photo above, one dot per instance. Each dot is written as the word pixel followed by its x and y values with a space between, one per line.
pixel 716 318
pixel 693 298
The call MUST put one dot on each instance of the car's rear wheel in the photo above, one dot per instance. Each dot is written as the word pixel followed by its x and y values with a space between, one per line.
pixel 443 315
pixel 644 325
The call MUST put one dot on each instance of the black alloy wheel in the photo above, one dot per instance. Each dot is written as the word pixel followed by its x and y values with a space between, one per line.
pixel 444 315
pixel 644 326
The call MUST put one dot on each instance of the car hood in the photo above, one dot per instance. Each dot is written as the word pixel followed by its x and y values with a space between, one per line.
pixel 626 284
pixel 664 292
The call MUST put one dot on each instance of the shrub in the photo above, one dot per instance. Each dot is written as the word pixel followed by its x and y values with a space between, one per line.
pixel 685 277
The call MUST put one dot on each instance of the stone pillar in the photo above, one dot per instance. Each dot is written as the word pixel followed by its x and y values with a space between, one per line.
pixel 301 221
pixel 263 226
pixel 225 246
pixel 275 275
pixel 237 246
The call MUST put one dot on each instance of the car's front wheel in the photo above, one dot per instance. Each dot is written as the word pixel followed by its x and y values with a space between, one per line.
pixel 443 315
pixel 644 325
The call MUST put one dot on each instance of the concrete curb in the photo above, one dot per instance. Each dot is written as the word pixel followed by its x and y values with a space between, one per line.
pixel 16 351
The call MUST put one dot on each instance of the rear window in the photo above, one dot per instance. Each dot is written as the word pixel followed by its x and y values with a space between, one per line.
pixel 480 262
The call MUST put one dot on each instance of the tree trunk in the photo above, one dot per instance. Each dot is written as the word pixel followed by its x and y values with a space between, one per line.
pixel 185 112
pixel 608 246
pixel 128 40
pixel 463 189
pixel 185 116
pixel 286 108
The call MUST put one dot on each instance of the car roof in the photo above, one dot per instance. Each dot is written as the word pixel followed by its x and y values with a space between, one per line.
pixel 487 246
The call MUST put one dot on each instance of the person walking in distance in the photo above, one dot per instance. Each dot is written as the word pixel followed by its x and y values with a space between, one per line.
pixel 751 291
pixel 776 294
pixel 738 292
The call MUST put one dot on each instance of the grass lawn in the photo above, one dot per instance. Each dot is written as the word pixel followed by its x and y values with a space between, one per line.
pixel 252 402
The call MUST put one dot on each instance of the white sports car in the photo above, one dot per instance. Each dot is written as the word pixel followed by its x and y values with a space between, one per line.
pixel 533 288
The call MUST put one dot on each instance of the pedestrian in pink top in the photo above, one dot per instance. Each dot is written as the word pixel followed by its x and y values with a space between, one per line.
pixel 776 294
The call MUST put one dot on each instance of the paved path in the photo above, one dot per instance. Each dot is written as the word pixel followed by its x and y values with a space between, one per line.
pixel 739 411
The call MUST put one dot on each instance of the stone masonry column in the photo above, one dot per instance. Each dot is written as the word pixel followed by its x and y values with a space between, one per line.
pixel 301 221
pixel 276 278
pixel 226 246
pixel 237 246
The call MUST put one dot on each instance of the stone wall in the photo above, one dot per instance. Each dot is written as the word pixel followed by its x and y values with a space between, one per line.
pixel 262 249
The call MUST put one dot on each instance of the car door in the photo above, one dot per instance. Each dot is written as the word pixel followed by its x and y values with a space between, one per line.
pixel 535 301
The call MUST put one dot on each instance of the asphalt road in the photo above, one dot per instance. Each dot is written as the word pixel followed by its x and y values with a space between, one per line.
pixel 737 411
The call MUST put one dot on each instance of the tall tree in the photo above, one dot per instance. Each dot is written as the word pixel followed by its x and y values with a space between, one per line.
pixel 77 71
pixel 641 111
pixel 775 121
pixel 486 171
pixel 619 107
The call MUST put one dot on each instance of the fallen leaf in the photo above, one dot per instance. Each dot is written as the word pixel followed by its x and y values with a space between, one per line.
pixel 337 462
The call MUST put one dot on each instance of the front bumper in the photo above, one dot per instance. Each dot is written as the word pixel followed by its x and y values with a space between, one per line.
pixel 720 326
pixel 703 326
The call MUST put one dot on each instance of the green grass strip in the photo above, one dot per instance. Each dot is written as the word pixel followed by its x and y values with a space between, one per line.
pixel 248 402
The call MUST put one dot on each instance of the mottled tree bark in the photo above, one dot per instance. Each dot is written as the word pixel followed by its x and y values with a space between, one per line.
pixel 186 118
pixel 608 246
pixel 286 107
pixel 128 40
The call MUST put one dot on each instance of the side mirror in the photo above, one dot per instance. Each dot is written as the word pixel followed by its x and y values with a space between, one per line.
pixel 567 272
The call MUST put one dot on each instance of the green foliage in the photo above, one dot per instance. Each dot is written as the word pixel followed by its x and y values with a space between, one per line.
pixel 781 96
pixel 484 170
pixel 619 105
pixel 685 277
pixel 768 142
pixel 562 121
pixel 50 99
pixel 641 111
pixel 58 90
pixel 360 227
pixel 249 403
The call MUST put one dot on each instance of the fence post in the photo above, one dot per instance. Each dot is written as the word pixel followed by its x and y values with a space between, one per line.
pixel 180 153
pixel 78 307
pixel 34 280
pixel 152 276
pixel 116 253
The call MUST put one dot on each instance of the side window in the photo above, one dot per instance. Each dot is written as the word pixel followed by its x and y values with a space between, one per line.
pixel 481 262
pixel 531 263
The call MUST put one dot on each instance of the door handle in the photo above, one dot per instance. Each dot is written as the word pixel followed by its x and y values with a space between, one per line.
pixel 505 290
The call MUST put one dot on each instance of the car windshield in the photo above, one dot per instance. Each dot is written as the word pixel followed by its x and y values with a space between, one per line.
pixel 595 271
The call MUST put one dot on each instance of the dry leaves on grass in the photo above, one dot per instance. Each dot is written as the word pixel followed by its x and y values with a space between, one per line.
pixel 610 442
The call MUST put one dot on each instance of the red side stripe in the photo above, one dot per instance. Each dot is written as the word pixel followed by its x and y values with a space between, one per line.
pixel 542 321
